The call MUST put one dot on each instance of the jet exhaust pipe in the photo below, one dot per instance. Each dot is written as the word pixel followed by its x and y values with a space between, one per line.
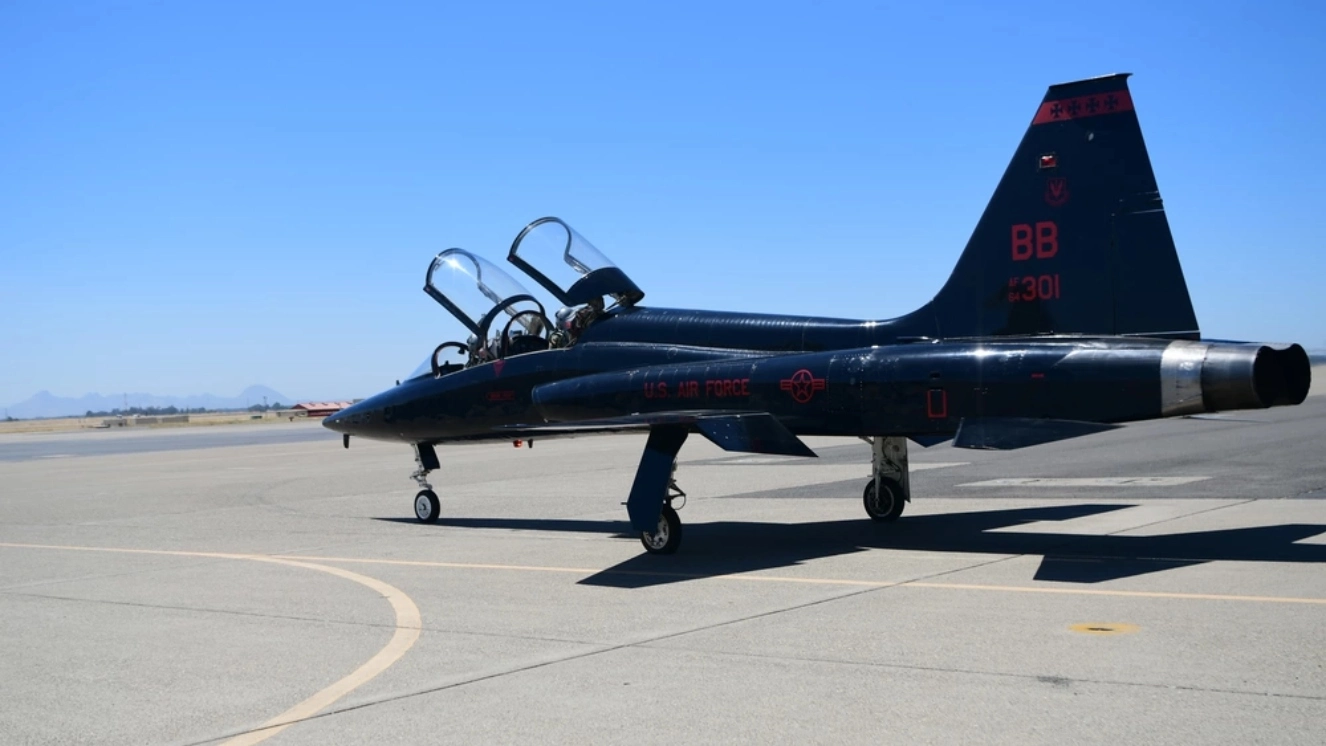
pixel 1205 377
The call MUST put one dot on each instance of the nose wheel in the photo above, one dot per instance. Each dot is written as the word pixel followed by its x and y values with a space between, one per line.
pixel 427 506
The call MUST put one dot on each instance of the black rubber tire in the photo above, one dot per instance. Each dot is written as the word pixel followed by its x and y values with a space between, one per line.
pixel 426 506
pixel 668 536
pixel 890 504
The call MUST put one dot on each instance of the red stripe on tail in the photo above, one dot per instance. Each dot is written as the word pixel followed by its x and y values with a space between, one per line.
pixel 1081 107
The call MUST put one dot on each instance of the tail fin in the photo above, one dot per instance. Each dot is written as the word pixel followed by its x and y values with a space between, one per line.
pixel 1075 239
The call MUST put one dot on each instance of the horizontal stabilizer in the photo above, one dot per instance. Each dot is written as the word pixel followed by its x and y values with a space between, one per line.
pixel 752 433
pixel 1008 433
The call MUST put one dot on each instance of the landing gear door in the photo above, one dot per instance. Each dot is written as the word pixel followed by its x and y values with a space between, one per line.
pixel 568 266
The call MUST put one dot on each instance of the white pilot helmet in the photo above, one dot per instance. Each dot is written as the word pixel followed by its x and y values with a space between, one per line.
pixel 564 316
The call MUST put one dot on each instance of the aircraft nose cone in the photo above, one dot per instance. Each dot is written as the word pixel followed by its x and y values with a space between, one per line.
pixel 366 418
pixel 336 422
pixel 350 420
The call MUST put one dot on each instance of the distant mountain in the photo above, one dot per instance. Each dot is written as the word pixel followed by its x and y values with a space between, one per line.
pixel 46 404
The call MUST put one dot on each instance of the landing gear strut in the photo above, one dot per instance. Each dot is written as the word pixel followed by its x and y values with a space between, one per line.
pixel 889 489
pixel 650 504
pixel 426 505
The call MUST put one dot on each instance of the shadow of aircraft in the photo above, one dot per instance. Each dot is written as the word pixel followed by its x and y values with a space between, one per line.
pixel 729 547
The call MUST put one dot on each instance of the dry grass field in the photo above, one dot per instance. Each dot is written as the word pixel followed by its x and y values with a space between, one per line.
pixel 65 424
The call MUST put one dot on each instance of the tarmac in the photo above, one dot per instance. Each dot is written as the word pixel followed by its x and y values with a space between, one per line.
pixel 1162 583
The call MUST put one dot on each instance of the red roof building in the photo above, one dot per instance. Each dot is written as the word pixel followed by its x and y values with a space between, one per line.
pixel 321 408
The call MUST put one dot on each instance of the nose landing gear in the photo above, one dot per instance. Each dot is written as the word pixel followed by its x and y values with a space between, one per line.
pixel 427 507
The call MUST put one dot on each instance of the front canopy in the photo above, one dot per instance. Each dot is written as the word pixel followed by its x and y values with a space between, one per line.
pixel 476 292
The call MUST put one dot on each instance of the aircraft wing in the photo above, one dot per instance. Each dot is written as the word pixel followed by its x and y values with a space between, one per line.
pixel 736 430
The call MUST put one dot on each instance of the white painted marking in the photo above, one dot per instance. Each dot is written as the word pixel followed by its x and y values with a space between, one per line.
pixel 764 460
pixel 59 455
pixel 793 460
pixel 1109 522
pixel 1086 482
pixel 915 466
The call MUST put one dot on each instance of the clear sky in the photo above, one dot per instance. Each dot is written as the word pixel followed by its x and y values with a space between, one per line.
pixel 197 196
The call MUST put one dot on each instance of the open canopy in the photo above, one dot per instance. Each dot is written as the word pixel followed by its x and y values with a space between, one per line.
pixel 568 266
pixel 476 292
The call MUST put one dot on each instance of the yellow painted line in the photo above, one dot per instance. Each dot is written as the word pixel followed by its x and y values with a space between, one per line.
pixel 1116 593
pixel 409 623
pixel 827 581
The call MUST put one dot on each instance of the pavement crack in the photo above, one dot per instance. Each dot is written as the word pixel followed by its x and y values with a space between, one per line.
pixel 295 618
pixel 644 644
pixel 14 589
pixel 1052 679
pixel 201 610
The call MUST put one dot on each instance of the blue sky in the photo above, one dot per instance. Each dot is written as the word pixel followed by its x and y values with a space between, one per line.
pixel 196 196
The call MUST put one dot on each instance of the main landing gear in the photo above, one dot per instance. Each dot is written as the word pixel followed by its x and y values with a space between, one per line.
pixel 889 489
pixel 654 490
pixel 426 505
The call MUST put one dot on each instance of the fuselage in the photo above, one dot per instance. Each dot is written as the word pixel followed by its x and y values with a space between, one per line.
pixel 824 377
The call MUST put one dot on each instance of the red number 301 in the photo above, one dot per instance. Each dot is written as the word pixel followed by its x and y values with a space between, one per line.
pixel 1029 288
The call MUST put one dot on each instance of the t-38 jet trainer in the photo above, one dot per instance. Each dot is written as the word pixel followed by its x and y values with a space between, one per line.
pixel 1067 313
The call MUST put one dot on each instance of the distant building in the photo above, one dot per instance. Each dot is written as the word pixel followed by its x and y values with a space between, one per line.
pixel 320 408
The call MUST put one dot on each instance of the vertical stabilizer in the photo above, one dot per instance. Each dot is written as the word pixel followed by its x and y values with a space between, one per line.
pixel 1075 239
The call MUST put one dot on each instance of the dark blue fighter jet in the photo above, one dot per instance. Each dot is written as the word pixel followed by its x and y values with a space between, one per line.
pixel 1066 314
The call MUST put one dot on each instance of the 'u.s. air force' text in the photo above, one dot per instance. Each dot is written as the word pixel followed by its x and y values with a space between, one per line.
pixel 717 389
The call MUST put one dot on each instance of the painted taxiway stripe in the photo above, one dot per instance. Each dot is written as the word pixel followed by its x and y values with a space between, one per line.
pixel 408 627
pixel 827 581
pixel 1087 482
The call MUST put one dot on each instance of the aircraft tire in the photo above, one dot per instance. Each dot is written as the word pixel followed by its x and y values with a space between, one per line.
pixel 668 536
pixel 427 506
pixel 888 506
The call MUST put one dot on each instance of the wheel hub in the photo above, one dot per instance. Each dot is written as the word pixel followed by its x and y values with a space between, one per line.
pixel 882 500
pixel 659 538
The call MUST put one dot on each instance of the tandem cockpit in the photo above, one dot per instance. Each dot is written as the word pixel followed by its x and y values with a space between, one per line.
pixel 505 319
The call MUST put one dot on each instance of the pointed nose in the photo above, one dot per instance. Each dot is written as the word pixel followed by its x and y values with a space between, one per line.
pixel 337 421
pixel 354 419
